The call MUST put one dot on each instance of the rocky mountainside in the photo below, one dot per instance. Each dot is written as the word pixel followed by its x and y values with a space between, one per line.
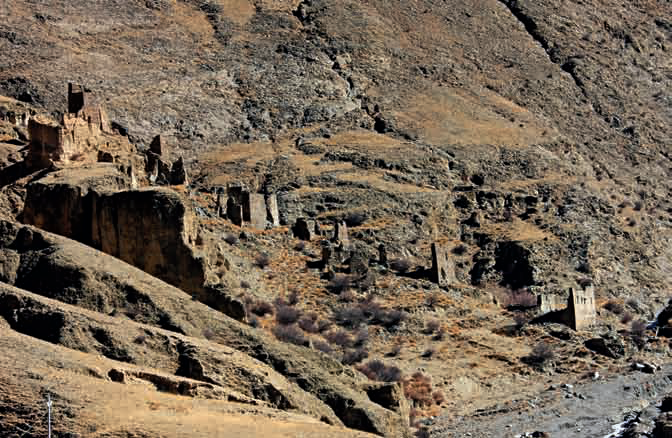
pixel 297 217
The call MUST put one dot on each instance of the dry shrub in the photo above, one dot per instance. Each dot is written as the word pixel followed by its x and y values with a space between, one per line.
pixel 293 298
pixel 355 219
pixel 285 315
pixel 431 326
pixel 260 308
pixel 626 318
pixel 380 372
pixel 614 307
pixel 323 347
pixel 291 334
pixel 541 353
pixel 339 337
pixel 340 283
pixel 352 357
pixel 418 389
pixel 394 352
pixel 262 260
pixel 309 323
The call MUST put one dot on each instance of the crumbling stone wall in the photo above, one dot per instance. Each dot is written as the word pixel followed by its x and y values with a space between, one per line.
pixel 83 131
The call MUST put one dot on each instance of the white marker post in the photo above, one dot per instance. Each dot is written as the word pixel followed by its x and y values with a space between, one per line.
pixel 49 414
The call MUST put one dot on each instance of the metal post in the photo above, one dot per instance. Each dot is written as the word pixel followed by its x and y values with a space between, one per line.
pixel 49 414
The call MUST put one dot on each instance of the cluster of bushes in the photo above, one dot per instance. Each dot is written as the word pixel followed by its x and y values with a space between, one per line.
pixel 368 312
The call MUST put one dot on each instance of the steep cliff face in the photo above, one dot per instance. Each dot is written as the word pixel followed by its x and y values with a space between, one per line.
pixel 150 228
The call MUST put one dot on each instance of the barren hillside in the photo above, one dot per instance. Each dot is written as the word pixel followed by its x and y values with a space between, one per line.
pixel 295 217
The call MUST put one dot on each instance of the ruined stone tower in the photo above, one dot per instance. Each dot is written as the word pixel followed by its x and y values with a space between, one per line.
pixel 580 313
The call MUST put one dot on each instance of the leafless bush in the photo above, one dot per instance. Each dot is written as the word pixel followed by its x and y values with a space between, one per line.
pixel 293 298
pixel 285 315
pixel 262 260
pixel 261 308
pixel 637 330
pixel 379 371
pixel 231 239
pixel 418 389
pixel 323 347
pixel 352 357
pixel 440 334
pixel 432 326
pixel 626 318
pixel 614 307
pixel 394 352
pixel 339 337
pixel 244 284
pixel 309 323
pixel 541 354
pixel 350 316
pixel 400 265
pixel 140 339
pixel 340 283
pixel 432 300
pixel 362 336
pixel 290 334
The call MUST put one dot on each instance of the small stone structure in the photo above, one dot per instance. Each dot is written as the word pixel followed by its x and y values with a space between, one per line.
pixel 340 232
pixel 304 229
pixel 83 131
pixel 254 208
pixel 443 267
pixel 577 310
pixel 580 313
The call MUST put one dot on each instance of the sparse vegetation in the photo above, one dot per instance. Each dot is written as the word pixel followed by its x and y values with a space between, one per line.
pixel 260 308
pixel 638 332
pixel 614 307
pixel 293 297
pixel 285 315
pixel 380 372
pixel 309 323
pixel 291 334
pixel 262 260
pixel 541 354
pixel 626 318
pixel 339 337
pixel 300 246
pixel 323 347
pixel 352 357
pixel 432 326
pixel 340 283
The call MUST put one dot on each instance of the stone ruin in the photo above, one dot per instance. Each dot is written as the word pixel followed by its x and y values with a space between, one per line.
pixel 443 267
pixel 244 207
pixel 577 310
pixel 83 131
